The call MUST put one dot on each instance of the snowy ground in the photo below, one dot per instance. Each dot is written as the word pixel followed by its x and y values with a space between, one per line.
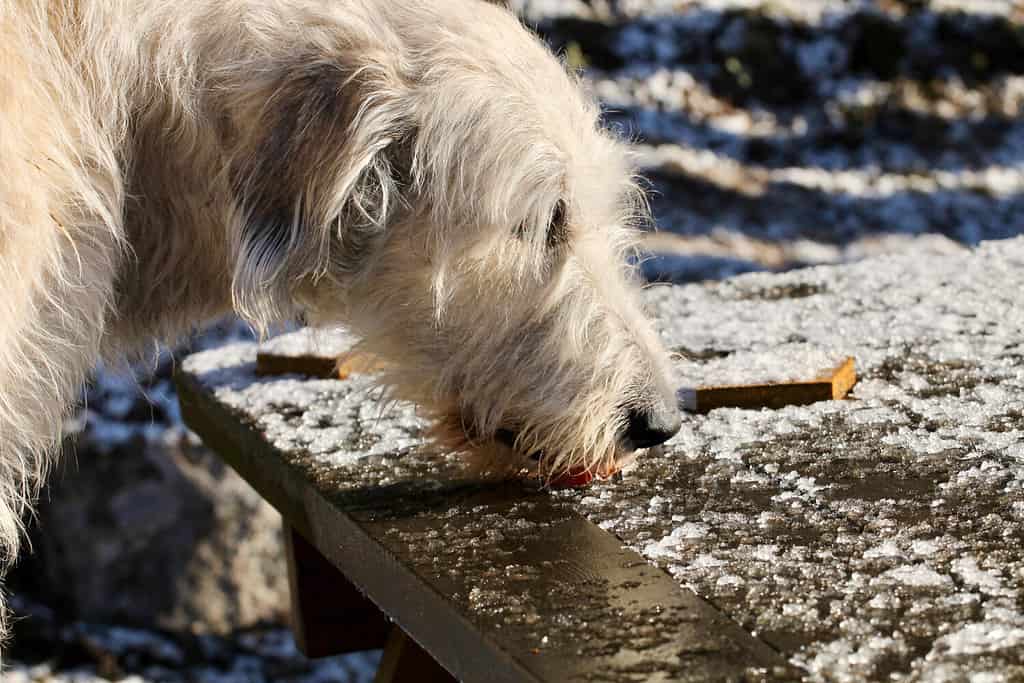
pixel 783 134
pixel 776 134
pixel 81 652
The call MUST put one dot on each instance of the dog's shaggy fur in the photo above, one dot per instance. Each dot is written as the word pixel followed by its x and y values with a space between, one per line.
pixel 423 171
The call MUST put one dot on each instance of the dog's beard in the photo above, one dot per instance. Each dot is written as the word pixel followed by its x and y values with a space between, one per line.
pixel 546 423
pixel 502 455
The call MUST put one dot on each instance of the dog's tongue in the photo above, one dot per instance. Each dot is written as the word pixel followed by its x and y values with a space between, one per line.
pixel 573 479
pixel 578 478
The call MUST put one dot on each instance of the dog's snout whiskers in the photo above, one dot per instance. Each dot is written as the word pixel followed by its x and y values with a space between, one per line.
pixel 509 438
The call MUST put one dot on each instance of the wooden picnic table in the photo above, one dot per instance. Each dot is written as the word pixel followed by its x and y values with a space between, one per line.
pixel 876 538
pixel 391 546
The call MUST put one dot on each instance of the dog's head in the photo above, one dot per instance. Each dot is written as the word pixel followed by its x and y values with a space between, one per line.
pixel 445 188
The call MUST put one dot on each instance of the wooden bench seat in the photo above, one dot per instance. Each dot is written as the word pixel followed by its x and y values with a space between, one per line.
pixel 497 582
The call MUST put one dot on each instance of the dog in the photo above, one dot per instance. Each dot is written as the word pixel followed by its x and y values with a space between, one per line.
pixel 425 172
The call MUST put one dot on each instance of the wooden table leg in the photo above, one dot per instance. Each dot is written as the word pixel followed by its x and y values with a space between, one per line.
pixel 329 616
pixel 406 662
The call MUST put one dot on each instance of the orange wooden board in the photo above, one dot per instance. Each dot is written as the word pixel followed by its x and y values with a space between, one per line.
pixel 325 353
pixel 327 367
pixel 834 384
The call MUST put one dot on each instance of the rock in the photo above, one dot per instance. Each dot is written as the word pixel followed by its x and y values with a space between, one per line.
pixel 158 535
pixel 141 524
pixel 48 649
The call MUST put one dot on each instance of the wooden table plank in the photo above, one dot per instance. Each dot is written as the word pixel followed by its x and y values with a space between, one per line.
pixel 498 582
pixel 314 353
pixel 829 385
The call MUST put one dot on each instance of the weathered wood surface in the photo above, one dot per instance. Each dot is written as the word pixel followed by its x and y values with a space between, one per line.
pixel 497 582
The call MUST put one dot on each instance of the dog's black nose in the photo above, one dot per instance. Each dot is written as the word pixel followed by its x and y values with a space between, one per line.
pixel 652 426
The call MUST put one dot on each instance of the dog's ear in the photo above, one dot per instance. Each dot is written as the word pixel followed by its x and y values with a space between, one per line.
pixel 317 171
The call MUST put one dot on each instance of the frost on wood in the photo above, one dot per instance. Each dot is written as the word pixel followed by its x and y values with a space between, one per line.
pixel 868 537
pixel 873 536
pixel 334 423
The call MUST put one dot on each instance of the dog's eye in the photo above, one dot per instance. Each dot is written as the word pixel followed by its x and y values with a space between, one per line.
pixel 558 230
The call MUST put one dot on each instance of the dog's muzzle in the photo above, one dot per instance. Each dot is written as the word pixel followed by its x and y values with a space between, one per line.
pixel 645 427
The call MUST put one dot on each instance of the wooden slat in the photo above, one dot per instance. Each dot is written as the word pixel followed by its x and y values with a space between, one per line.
pixel 833 385
pixel 314 366
pixel 329 616
pixel 406 662
pixel 306 352
pixel 339 367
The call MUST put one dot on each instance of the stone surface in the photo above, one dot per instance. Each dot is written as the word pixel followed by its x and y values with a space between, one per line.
pixel 142 525
pixel 85 652
pixel 159 535
pixel 776 134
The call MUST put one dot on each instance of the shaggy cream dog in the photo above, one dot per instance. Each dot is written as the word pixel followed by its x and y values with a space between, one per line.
pixel 424 171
